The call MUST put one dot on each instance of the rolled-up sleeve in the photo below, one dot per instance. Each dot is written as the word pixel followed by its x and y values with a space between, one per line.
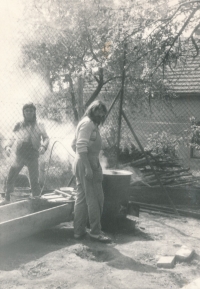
pixel 83 134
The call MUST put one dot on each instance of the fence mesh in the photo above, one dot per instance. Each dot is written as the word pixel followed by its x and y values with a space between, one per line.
pixel 165 126
pixel 162 125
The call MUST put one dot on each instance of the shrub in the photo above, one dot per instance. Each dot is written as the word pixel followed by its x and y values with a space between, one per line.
pixel 163 143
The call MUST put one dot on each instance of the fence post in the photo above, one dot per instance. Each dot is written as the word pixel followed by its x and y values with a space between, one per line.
pixel 121 103
pixel 80 96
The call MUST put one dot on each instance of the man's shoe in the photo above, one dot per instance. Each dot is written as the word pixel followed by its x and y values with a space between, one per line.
pixel 101 238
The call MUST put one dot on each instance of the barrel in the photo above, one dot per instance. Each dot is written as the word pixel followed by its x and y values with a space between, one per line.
pixel 116 187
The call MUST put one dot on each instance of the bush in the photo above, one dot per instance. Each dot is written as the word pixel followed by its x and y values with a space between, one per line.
pixel 193 138
pixel 127 152
pixel 163 143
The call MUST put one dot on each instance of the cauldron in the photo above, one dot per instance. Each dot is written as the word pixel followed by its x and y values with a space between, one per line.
pixel 116 187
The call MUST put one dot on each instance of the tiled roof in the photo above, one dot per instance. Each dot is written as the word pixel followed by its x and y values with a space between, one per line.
pixel 185 78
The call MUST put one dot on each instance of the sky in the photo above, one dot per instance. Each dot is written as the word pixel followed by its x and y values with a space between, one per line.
pixel 17 86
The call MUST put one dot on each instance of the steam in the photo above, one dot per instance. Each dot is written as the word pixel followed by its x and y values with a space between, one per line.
pixel 61 136
pixel 103 161
pixel 17 86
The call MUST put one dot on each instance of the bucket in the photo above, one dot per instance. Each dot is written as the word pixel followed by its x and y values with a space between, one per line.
pixel 116 187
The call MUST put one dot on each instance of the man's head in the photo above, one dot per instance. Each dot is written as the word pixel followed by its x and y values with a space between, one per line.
pixel 96 111
pixel 29 112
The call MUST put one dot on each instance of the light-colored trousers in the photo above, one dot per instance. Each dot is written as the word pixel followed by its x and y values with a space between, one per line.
pixel 90 198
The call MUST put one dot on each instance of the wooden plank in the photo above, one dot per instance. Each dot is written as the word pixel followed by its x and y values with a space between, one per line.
pixel 64 194
pixel 16 229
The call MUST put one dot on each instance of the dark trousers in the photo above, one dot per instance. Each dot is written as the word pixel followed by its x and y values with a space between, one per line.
pixel 33 169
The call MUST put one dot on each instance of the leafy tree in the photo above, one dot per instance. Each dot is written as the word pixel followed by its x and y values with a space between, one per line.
pixel 74 38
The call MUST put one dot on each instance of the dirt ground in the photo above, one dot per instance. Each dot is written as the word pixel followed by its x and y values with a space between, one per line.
pixel 54 260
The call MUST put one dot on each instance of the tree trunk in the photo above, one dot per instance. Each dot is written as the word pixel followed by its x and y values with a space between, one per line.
pixel 73 99
pixel 98 88
pixel 47 78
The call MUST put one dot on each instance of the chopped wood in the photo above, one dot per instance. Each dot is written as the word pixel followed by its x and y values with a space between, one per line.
pixel 139 162
pixel 175 176
pixel 166 170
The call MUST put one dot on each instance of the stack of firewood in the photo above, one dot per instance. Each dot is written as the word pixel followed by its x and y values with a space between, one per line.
pixel 168 170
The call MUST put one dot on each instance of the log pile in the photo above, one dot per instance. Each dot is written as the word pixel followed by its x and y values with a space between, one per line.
pixel 168 170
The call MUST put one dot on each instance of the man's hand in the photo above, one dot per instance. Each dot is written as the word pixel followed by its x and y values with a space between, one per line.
pixel 86 163
pixel 8 151
pixel 88 173
pixel 41 150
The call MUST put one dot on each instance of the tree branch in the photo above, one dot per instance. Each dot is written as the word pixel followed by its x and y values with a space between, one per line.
pixel 177 36
pixel 90 43
pixel 182 28
pixel 195 29
pixel 112 78
pixel 96 78
pixel 98 88
pixel 182 4
pixel 195 45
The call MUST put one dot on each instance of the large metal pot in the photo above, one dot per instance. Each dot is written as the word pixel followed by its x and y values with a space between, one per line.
pixel 116 187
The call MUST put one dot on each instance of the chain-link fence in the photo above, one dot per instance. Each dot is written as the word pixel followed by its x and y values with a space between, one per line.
pixel 161 128
pixel 33 71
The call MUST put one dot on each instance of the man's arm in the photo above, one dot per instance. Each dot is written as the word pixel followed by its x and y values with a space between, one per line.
pixel 9 142
pixel 45 139
pixel 83 138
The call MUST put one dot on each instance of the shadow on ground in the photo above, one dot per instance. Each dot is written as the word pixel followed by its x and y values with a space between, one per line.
pixel 117 260
pixel 34 247
pixel 26 250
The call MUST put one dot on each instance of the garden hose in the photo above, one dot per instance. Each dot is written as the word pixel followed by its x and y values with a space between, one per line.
pixel 47 171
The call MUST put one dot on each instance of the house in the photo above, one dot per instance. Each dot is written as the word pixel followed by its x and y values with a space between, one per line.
pixel 184 81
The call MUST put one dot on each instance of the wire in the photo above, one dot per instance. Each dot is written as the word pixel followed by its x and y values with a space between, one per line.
pixel 47 171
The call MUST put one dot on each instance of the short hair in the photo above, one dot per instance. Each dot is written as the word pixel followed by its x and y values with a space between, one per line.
pixel 97 104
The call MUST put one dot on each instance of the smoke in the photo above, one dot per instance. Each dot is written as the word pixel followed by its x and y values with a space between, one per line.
pixel 103 161
pixel 17 86
pixel 61 136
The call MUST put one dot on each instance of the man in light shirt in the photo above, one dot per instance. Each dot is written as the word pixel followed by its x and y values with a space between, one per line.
pixel 28 142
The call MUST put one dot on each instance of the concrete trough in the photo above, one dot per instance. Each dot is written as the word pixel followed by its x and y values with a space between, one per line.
pixel 21 219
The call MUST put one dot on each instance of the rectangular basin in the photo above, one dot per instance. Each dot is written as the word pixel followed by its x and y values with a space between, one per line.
pixel 20 219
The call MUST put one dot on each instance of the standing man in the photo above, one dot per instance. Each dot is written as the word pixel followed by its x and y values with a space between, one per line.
pixel 88 172
pixel 29 141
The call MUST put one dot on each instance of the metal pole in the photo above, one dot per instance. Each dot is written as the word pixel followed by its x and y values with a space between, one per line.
pixel 149 162
pixel 110 108
pixel 121 103
pixel 80 97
